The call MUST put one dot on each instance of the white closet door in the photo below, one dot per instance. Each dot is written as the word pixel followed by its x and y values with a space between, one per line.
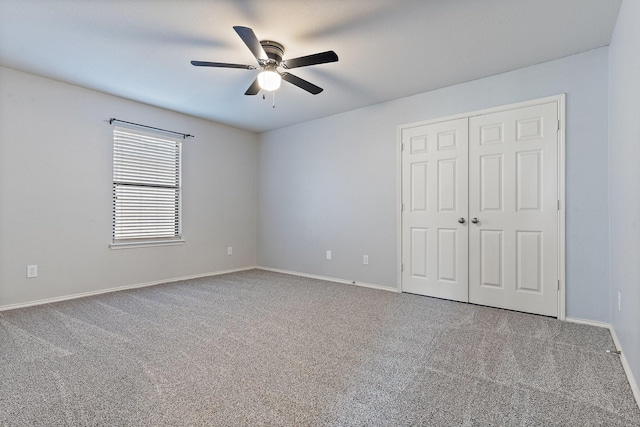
pixel 513 194
pixel 435 199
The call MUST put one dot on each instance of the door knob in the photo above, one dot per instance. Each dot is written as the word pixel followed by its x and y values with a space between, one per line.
pixel 475 220
pixel 461 220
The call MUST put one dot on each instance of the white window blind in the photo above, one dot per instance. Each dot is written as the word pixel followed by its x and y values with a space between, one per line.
pixel 146 187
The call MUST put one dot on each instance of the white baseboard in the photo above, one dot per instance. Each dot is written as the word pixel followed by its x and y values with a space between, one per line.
pixel 329 279
pixel 623 358
pixel 627 367
pixel 119 288
pixel 588 322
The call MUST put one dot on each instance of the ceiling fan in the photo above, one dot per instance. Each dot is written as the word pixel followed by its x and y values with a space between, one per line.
pixel 269 55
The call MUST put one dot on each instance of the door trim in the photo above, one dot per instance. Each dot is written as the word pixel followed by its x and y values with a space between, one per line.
pixel 560 100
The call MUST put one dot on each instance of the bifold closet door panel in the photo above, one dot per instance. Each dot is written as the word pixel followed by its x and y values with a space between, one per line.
pixel 435 206
pixel 513 208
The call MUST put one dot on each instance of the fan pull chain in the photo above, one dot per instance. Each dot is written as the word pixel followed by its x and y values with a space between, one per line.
pixel 273 98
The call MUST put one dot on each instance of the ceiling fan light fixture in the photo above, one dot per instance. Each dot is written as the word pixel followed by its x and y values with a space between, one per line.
pixel 269 55
pixel 269 79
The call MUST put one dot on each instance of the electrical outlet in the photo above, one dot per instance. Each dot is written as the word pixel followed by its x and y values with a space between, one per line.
pixel 619 302
pixel 365 259
pixel 32 271
pixel 229 250
pixel 328 254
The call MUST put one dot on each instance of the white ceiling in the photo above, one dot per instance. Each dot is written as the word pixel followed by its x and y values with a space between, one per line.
pixel 140 49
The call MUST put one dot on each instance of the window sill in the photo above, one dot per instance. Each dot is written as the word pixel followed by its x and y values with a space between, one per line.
pixel 132 245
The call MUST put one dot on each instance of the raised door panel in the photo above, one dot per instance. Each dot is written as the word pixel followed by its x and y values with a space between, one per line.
pixel 448 255
pixel 419 193
pixel 447 185
pixel 418 266
pixel 491 184
pixel 529 180
pixel 491 262
pixel 529 272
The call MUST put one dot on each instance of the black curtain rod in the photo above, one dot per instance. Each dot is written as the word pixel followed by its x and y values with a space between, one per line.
pixel 184 135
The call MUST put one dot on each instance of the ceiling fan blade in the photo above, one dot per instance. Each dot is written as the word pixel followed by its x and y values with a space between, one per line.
pixel 222 65
pixel 317 58
pixel 301 83
pixel 249 38
pixel 254 88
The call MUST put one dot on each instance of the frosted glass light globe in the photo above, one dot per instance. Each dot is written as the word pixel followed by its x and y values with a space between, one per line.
pixel 269 80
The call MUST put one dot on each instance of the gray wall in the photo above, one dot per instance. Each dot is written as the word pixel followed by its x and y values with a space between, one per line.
pixel 55 193
pixel 624 165
pixel 331 184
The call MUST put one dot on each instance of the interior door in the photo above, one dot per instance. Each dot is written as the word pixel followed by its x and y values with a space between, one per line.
pixel 513 209
pixel 435 206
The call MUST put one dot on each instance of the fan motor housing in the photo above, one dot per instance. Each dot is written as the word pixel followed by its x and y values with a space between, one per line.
pixel 274 50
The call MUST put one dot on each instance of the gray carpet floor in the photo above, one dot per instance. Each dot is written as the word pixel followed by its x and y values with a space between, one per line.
pixel 260 348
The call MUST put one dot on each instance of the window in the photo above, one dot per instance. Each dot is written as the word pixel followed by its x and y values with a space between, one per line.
pixel 146 188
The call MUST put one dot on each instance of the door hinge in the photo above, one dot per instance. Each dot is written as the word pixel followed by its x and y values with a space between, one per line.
pixel 402 208
pixel 558 287
pixel 402 147
pixel 558 125
pixel 558 204
pixel 402 267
